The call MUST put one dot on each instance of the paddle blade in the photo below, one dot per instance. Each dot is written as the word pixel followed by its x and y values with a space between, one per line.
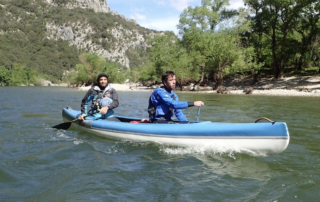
pixel 63 126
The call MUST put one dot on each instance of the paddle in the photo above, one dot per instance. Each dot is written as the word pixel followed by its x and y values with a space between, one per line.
pixel 198 113
pixel 66 125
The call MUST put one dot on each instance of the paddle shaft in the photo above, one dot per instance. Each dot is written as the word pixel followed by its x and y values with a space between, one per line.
pixel 198 113
pixel 83 117
pixel 66 125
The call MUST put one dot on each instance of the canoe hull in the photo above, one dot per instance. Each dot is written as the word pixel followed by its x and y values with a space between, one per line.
pixel 261 138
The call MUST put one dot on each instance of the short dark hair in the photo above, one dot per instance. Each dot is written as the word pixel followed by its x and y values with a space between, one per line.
pixel 166 74
pixel 101 75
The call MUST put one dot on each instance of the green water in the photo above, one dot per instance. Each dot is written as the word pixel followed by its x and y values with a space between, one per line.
pixel 38 163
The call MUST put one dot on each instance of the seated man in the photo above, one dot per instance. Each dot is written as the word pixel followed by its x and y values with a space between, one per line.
pixel 104 99
pixel 163 102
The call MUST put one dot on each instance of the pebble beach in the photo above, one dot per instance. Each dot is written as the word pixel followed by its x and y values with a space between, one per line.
pixel 288 86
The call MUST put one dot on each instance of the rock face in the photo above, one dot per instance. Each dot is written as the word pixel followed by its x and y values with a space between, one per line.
pixel 79 33
pixel 66 33
pixel 96 5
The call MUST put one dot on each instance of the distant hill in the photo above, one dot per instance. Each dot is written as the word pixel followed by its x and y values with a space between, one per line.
pixel 48 35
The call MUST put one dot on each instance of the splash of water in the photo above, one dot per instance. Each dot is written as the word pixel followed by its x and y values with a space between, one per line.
pixel 206 150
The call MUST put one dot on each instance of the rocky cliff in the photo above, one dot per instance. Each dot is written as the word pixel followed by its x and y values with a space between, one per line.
pixel 96 5
pixel 115 42
pixel 49 35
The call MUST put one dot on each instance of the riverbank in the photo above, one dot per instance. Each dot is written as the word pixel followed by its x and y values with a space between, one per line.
pixel 288 86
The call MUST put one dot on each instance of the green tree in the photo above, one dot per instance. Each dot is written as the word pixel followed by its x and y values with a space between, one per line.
pixel 315 52
pixel 30 75
pixel 308 29
pixel 5 76
pixel 211 35
pixel 112 70
pixel 144 73
pixel 17 75
pixel 277 19
pixel 91 65
pixel 70 77
pixel 225 55
pixel 205 18
pixel 167 53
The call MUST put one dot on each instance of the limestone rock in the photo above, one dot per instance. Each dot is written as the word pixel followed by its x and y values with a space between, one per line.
pixel 96 5
pixel 248 90
pixel 66 33
pixel 223 90
pixel 79 33
pixel 202 88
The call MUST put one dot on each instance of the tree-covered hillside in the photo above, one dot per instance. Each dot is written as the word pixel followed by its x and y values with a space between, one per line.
pixel 23 40
pixel 34 34
pixel 265 39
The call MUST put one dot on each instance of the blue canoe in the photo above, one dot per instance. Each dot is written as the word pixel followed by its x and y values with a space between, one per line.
pixel 262 137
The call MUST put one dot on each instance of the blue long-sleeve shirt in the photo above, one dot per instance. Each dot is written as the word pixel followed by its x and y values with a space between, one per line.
pixel 164 100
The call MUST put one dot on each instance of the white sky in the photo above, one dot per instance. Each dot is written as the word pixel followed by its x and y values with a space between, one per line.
pixel 159 15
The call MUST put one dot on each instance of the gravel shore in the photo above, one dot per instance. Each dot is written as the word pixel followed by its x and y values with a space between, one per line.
pixel 289 86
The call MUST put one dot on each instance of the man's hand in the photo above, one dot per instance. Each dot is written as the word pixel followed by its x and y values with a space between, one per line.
pixel 81 118
pixel 104 110
pixel 198 103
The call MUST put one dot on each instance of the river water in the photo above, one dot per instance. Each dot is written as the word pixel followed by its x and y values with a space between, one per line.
pixel 38 163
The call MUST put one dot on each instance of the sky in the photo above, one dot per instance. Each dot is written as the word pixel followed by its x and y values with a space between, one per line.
pixel 160 15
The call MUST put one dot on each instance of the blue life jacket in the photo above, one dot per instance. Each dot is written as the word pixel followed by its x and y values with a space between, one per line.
pixel 163 104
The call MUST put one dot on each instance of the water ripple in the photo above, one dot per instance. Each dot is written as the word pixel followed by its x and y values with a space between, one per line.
pixel 38 163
